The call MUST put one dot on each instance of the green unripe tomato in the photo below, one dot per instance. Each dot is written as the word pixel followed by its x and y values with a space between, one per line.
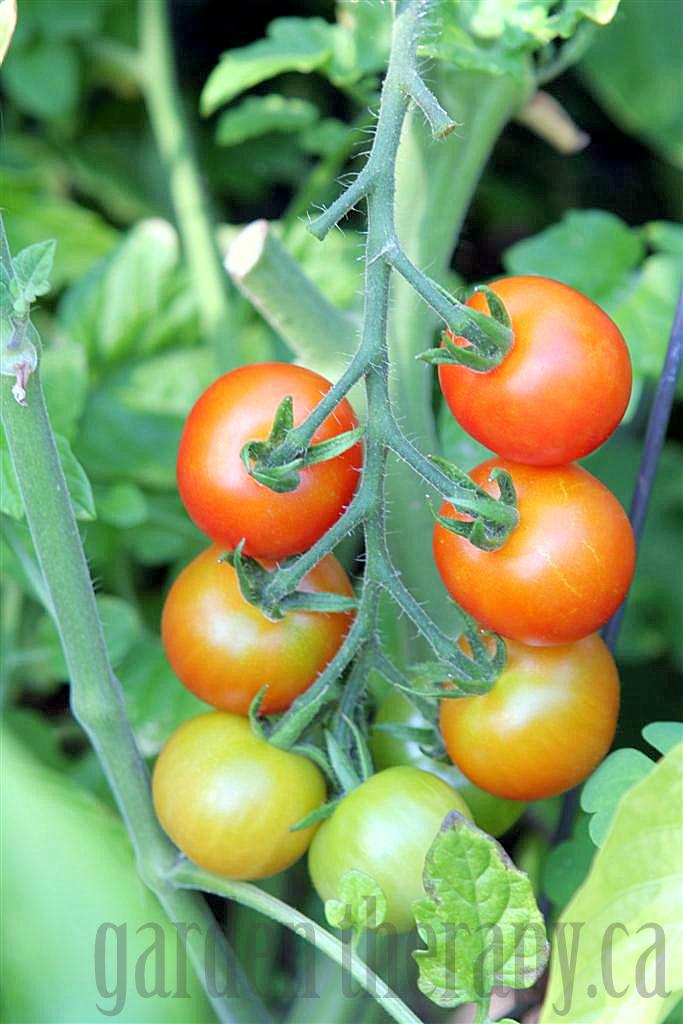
pixel 491 813
pixel 384 828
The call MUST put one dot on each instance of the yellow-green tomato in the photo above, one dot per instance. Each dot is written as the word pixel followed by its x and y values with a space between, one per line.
pixel 493 814
pixel 228 798
pixel 384 828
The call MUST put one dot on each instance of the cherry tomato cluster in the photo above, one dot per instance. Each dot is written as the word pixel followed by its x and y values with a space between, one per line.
pixel 226 797
pixel 559 393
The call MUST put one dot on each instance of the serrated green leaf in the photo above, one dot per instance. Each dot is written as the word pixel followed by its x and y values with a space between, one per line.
pixel 606 786
pixel 33 266
pixel 590 250
pixel 292 44
pixel 663 736
pixel 480 920
pixel 635 889
pixel 260 115
pixel 360 903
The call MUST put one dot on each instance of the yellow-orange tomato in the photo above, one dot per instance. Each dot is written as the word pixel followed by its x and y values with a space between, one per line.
pixel 548 721
pixel 560 391
pixel 228 799
pixel 224 649
pixel 560 574
pixel 225 502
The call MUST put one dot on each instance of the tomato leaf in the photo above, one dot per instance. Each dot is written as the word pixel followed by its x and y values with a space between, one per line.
pixel 663 736
pixel 360 904
pixel 634 889
pixel 260 115
pixel 606 786
pixel 76 480
pixel 568 864
pixel 480 920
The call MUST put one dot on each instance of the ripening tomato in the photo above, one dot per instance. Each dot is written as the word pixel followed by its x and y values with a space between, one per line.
pixel 216 489
pixel 560 391
pixel 548 721
pixel 384 828
pixel 563 570
pixel 224 649
pixel 228 799
pixel 490 813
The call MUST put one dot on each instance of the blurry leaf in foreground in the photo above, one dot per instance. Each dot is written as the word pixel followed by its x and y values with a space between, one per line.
pixel 480 919
pixel 260 115
pixel 635 888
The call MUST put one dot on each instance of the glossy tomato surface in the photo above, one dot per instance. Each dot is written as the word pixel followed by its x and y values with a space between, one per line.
pixel 563 387
pixel 218 493
pixel 561 573
pixel 224 649
pixel 384 828
pixel 228 798
pixel 546 724
pixel 490 813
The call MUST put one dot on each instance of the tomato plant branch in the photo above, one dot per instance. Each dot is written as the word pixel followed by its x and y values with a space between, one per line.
pixel 167 117
pixel 189 875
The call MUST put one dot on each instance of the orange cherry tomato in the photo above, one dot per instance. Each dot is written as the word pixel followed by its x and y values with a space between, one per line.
pixel 229 799
pixel 224 650
pixel 548 721
pixel 563 387
pixel 218 493
pixel 561 573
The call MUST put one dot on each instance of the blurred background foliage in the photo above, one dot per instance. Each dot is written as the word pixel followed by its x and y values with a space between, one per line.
pixel 124 358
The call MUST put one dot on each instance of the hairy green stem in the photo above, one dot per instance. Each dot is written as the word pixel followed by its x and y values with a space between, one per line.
pixel 167 117
pixel 187 874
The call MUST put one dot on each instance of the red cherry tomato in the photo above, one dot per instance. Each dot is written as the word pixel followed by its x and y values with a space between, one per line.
pixel 218 493
pixel 224 650
pixel 229 799
pixel 548 721
pixel 562 572
pixel 563 387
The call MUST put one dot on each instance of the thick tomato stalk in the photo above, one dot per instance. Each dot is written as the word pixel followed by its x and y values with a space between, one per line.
pixel 561 573
pixel 560 391
pixel 224 649
pixel 546 724
pixel 225 502
pixel 228 799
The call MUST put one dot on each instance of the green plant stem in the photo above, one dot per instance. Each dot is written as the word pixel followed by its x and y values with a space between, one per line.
pixel 167 117
pixel 188 874
pixel 96 696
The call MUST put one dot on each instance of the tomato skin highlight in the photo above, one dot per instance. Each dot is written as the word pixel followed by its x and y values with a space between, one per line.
pixel 562 572
pixel 490 813
pixel 385 828
pixel 227 799
pixel 224 650
pixel 218 493
pixel 546 724
pixel 561 390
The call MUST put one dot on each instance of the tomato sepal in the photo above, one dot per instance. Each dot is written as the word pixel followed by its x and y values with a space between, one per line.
pixel 316 816
pixel 261 458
